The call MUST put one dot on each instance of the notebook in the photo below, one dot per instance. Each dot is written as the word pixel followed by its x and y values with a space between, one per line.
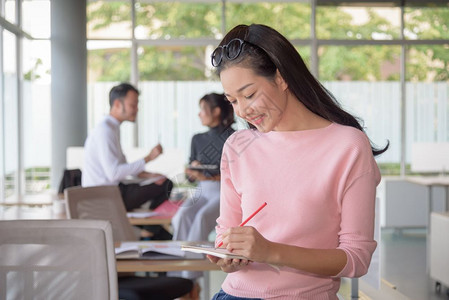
pixel 209 248
pixel 153 250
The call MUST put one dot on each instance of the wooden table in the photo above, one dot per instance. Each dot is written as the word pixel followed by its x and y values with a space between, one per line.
pixel 191 262
pixel 146 265
pixel 157 220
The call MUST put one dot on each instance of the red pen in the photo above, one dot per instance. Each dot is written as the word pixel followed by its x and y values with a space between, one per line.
pixel 247 219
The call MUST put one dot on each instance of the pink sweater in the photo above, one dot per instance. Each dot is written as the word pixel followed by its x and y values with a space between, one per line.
pixel 320 186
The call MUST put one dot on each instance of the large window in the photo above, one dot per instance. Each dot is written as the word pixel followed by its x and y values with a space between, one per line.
pixel 371 93
pixel 9 11
pixel 109 20
pixel 25 140
pixel 358 23
pixel 164 48
pixel 35 115
pixel 426 23
pixel 292 19
pixel 172 43
pixel 166 20
pixel 427 93
pixel 36 18
pixel 356 51
pixel 10 117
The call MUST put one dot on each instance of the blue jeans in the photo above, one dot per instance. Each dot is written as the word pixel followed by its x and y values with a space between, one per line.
pixel 221 295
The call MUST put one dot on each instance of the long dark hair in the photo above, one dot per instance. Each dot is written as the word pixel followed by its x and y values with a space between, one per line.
pixel 266 51
pixel 214 100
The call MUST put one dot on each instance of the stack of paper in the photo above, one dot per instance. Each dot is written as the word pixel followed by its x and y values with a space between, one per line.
pixel 152 250
pixel 207 248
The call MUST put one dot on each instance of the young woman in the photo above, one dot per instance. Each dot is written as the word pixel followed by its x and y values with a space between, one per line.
pixel 196 218
pixel 309 160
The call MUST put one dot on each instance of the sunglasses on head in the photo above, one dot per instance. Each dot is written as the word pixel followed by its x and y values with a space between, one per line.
pixel 231 51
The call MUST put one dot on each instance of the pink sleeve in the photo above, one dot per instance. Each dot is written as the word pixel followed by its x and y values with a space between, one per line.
pixel 230 209
pixel 357 225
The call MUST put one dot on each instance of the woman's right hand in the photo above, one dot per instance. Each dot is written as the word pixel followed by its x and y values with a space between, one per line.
pixel 228 265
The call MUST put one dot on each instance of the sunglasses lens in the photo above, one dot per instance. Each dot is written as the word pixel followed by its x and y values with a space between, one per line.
pixel 216 56
pixel 231 50
pixel 234 47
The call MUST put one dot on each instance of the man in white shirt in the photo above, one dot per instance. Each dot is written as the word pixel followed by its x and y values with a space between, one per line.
pixel 105 163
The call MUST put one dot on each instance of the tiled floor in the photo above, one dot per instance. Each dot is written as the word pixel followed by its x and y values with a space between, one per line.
pixel 403 255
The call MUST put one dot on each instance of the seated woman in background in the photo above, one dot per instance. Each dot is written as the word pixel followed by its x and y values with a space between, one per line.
pixel 196 218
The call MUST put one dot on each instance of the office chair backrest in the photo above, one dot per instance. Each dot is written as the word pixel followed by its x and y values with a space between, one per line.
pixel 57 259
pixel 100 203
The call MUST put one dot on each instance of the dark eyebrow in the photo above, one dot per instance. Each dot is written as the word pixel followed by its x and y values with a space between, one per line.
pixel 241 89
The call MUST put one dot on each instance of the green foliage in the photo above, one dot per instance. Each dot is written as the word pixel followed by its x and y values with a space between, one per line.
pixel 180 63
pixel 110 65
pixel 102 13
pixel 165 20
pixel 172 19
pixel 331 22
pixel 356 63
pixel 292 19
pixel 33 72
pixel 428 23
pixel 37 173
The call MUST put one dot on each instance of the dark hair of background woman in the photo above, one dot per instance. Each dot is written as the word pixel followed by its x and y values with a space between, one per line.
pixel 214 100
pixel 266 51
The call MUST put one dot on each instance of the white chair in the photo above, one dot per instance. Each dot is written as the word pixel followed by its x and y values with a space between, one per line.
pixel 57 259
pixel 100 203
pixel 105 203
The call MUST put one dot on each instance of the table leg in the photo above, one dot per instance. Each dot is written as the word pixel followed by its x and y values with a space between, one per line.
pixel 354 288
pixel 447 198
pixel 205 288
pixel 429 192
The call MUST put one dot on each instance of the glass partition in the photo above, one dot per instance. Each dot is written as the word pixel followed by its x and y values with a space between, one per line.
pixel 9 12
pixel 36 115
pixel 358 23
pixel 365 81
pixel 291 19
pixel 36 18
pixel 109 20
pixel 165 20
pixel 427 94
pixel 174 63
pixel 10 118
pixel 426 23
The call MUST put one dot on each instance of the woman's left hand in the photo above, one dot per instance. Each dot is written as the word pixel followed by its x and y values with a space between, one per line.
pixel 247 241
pixel 228 265
pixel 195 175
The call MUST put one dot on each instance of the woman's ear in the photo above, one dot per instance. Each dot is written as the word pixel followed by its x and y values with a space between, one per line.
pixel 216 112
pixel 280 81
